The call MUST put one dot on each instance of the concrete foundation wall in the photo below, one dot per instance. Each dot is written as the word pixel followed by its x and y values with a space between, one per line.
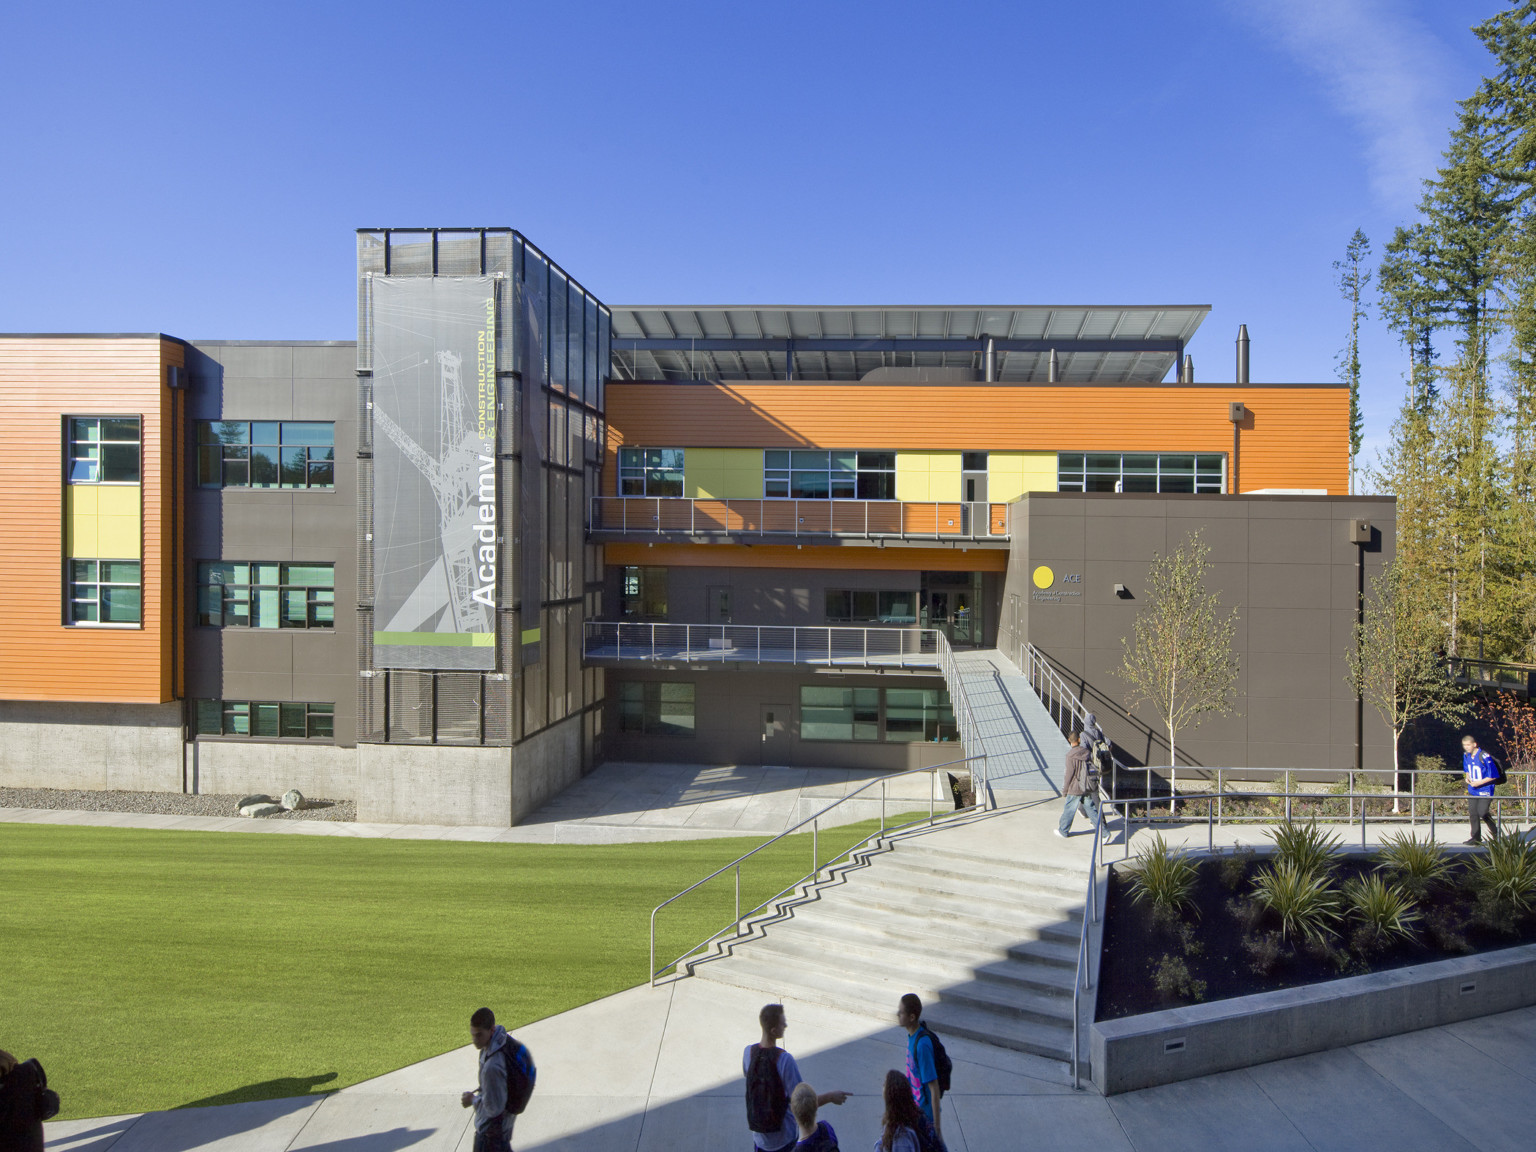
pixel 432 784
pixel 229 766
pixel 545 764
pixel 1182 1043
pixel 135 747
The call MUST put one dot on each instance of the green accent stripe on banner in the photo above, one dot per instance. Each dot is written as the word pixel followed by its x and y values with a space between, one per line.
pixel 530 635
pixel 437 639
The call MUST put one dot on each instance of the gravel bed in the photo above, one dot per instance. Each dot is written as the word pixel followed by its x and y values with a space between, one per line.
pixel 165 803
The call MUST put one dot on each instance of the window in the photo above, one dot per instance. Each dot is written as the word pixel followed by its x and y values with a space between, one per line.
pixel 861 607
pixel 1141 472
pixel 266 595
pixel 105 592
pixel 266 720
pixel 104 450
pixel 839 713
pixel 650 471
pixel 654 708
pixel 643 594
pixel 919 714
pixel 814 475
pixel 265 454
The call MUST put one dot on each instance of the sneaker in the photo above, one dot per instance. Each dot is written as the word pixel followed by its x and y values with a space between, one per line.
pixel 1060 833
pixel 1473 843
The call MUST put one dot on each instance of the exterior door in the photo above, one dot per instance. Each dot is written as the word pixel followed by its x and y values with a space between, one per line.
pixel 775 734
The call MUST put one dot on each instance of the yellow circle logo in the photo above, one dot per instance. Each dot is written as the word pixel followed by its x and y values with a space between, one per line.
pixel 1044 577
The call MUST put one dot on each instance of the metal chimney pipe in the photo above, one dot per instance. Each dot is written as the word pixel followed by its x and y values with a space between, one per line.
pixel 989 366
pixel 1242 353
pixel 1187 376
pixel 1054 373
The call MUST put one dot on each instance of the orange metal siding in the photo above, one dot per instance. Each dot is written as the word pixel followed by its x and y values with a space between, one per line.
pixel 42 380
pixel 1297 436
pixel 788 556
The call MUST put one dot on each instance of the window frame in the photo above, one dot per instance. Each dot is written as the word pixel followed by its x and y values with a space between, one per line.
pixel 641 600
pixel 647 471
pixel 849 474
pixel 635 700
pixel 71 599
pixel 212 448
pixel 1204 480
pixel 70 440
pixel 314 596
pixel 316 714
pixel 937 716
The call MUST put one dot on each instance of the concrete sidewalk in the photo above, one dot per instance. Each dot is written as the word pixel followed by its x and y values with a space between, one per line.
pixel 617 803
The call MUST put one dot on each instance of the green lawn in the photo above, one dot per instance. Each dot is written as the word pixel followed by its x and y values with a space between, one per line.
pixel 152 970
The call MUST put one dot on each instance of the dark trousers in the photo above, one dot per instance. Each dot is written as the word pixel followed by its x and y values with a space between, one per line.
pixel 495 1137
pixel 1477 809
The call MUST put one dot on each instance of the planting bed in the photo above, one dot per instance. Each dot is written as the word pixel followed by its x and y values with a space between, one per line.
pixel 1223 945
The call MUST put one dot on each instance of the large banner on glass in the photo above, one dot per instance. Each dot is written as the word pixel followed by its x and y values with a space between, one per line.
pixel 435 516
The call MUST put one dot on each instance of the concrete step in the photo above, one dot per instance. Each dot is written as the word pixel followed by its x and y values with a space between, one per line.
pixel 1011 1001
pixel 952 934
pixel 875 992
pixel 953 852
pixel 1051 1040
pixel 955 870
pixel 960 904
pixel 911 882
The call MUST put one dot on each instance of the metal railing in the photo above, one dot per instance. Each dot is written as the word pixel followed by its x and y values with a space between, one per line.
pixel 734 930
pixel 852 647
pixel 1496 674
pixel 870 519
pixel 1084 954
pixel 1054 692
pixel 965 718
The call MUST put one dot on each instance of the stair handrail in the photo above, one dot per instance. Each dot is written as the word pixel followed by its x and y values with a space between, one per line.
pixel 1090 917
pixel 814 820
pixel 965 719
pixel 1052 689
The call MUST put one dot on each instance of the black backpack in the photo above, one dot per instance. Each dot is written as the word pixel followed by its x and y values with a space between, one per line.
pixel 1498 773
pixel 521 1074
pixel 942 1064
pixel 766 1099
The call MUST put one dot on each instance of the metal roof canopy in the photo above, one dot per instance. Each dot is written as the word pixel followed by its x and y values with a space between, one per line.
pixel 1093 343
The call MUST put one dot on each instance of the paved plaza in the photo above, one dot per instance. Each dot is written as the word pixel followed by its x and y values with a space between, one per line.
pixel 658 1069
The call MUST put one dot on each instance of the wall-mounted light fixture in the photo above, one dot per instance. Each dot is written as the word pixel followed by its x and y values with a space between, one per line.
pixel 1123 592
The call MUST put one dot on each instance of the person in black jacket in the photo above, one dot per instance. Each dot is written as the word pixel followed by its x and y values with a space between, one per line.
pixel 1077 788
pixel 22 1104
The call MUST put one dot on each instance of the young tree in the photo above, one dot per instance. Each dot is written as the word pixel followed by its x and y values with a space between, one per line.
pixel 1181 660
pixel 1514 726
pixel 1352 277
pixel 1395 662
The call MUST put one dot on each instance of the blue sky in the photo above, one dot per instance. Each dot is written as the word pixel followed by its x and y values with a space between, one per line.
pixel 198 168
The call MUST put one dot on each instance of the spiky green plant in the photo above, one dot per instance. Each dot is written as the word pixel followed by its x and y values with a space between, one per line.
pixel 1306 846
pixel 1305 901
pixel 1417 864
pixel 1387 912
pixel 1163 877
pixel 1506 877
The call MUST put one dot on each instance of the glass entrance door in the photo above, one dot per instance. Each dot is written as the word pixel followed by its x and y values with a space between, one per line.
pixel 952 603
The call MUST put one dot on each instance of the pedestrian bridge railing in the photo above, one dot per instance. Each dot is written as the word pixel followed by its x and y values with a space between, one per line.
pixel 764 644
pixel 723 888
pixel 867 519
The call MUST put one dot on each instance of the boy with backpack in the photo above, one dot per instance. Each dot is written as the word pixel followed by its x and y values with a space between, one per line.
pixel 772 1075
pixel 928 1065
pixel 507 1074
pixel 1483 775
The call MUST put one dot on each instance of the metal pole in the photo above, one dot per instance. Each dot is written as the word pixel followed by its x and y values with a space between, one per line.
pixel 815 827
pixel 738 899
pixel 1431 819
pixel 1210 827
pixel 882 806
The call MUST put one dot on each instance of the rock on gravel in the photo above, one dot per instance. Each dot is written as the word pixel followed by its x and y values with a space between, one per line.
pixel 168 803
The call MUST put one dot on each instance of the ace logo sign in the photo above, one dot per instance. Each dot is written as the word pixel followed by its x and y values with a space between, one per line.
pixel 1051 588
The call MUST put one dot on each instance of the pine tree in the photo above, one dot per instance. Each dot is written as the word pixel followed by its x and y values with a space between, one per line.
pixel 1352 278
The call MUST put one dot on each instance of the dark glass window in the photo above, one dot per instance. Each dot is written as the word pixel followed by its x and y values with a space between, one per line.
pixel 1141 472
pixel 643 593
pixel 266 454
pixel 104 450
pixel 656 708
pixel 816 475
pixel 266 720
pixel 650 471
pixel 105 592
pixel 839 713
pixel 860 606
pixel 243 595
pixel 915 715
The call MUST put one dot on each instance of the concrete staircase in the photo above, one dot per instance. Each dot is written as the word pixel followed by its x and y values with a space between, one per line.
pixel 990 945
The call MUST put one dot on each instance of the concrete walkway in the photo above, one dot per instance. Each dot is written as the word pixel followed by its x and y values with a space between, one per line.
pixel 658 1069
pixel 617 803
pixel 1026 751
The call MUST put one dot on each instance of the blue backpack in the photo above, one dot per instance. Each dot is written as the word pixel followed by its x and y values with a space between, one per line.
pixel 521 1074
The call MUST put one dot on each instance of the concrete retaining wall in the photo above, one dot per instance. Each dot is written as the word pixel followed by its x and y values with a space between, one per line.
pixel 46 744
pixel 229 766
pixel 432 784
pixel 545 764
pixel 1182 1043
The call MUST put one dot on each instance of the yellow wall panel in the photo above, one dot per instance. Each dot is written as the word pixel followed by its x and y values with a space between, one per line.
pixel 723 473
pixel 928 476
pixel 1011 474
pixel 80 516
pixel 102 522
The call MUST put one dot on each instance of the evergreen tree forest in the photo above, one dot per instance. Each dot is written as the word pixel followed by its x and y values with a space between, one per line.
pixel 1458 288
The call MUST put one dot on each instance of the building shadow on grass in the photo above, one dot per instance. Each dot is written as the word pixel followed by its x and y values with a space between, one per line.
pixel 282 1087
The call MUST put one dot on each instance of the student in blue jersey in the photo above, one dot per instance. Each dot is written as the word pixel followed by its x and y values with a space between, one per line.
pixel 772 1075
pixel 1482 774
pixel 922 1068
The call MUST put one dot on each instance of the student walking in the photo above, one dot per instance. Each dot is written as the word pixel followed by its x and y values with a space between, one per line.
pixel 923 1061
pixel 506 1080
pixel 903 1120
pixel 772 1076
pixel 1076 788
pixel 25 1102
pixel 1482 775
pixel 815 1135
